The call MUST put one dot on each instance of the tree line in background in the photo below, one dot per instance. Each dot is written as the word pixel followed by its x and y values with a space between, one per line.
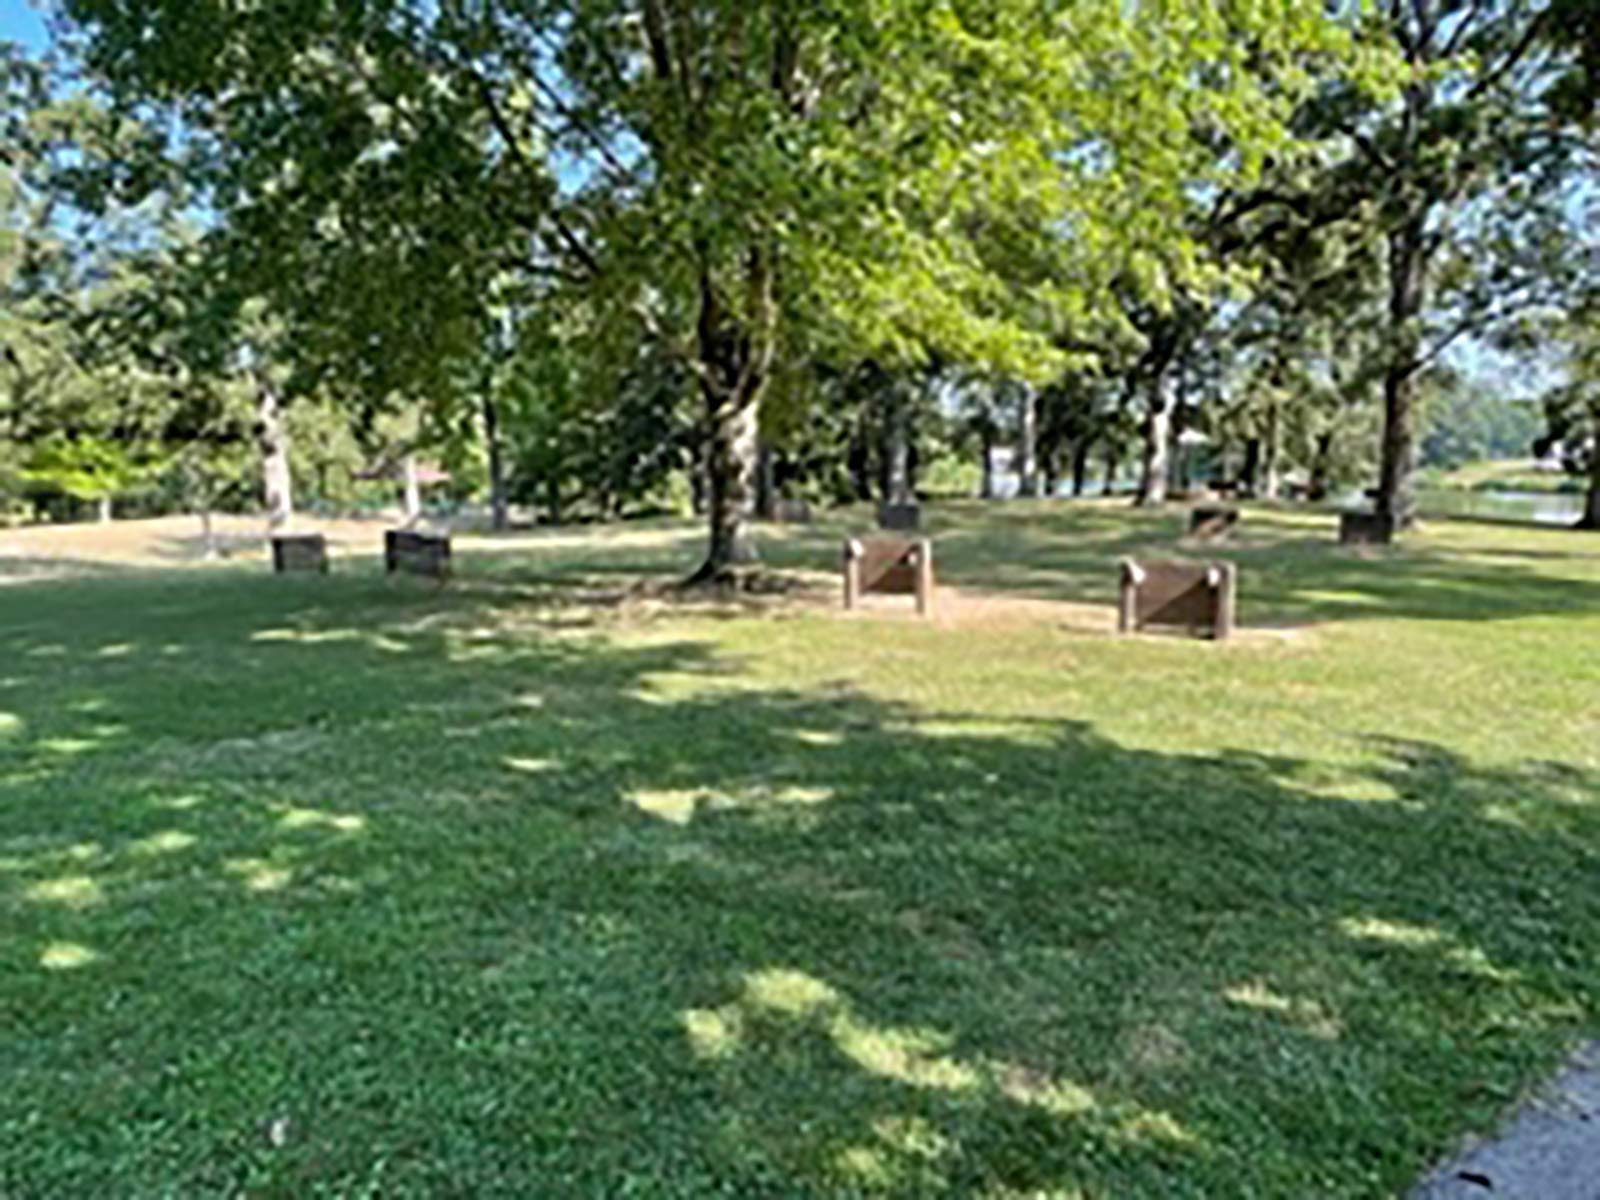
pixel 611 256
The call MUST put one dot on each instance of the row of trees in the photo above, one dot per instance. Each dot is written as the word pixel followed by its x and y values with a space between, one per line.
pixel 603 246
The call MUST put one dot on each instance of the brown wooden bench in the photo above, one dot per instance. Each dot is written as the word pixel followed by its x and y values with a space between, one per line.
pixel 1366 529
pixel 299 553
pixel 901 518
pixel 891 566
pixel 1208 522
pixel 1196 596
pixel 791 512
pixel 416 554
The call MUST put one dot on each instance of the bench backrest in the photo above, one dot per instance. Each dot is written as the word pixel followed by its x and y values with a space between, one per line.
pixel 791 512
pixel 1212 520
pixel 416 553
pixel 890 566
pixel 902 518
pixel 299 552
pixel 1191 595
pixel 1366 528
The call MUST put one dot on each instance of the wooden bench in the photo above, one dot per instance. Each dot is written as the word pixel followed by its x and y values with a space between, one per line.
pixel 299 553
pixel 1208 522
pixel 891 566
pixel 416 554
pixel 1199 597
pixel 791 512
pixel 1366 529
pixel 900 518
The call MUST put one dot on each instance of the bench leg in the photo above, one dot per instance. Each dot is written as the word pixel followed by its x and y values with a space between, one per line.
pixel 1127 606
pixel 1227 592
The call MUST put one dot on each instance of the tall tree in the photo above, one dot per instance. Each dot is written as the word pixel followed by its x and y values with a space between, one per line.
pixel 1461 158
pixel 714 169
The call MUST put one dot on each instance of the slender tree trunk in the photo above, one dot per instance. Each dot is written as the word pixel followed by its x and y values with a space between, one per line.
pixel 897 450
pixel 1591 500
pixel 1179 474
pixel 412 496
pixel 1271 456
pixel 102 508
pixel 1157 443
pixel 208 534
pixel 1407 295
pixel 1321 465
pixel 699 500
pixel 1050 470
pixel 1080 464
pixel 1113 468
pixel 986 488
pixel 1028 444
pixel 766 484
pixel 272 439
pixel 552 499
pixel 1250 468
pixel 499 509
pixel 860 466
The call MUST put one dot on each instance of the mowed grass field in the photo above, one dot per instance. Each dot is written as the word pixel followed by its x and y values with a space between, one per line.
pixel 345 887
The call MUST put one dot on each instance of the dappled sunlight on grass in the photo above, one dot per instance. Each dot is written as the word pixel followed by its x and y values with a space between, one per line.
pixel 532 766
pixel 681 807
pixel 1307 1014
pixel 259 874
pixel 66 956
pixel 316 637
pixel 310 818
pixel 168 841
pixel 69 891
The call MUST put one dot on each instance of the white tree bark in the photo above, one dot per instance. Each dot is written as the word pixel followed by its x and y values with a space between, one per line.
pixel 272 438
pixel 413 489
pixel 1028 445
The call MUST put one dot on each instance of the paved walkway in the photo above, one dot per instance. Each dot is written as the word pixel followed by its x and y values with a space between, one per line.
pixel 1549 1151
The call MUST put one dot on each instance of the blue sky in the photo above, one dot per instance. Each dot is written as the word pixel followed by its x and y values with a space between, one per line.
pixel 21 22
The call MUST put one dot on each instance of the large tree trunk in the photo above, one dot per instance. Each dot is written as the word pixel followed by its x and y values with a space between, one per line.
pixel 986 487
pixel 1050 471
pixel 1407 295
pixel 735 355
pixel 1028 444
pixel 272 439
pixel 499 509
pixel 730 479
pixel 1080 464
pixel 1157 443
pixel 103 510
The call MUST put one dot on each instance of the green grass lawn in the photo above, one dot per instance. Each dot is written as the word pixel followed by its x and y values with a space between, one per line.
pixel 338 887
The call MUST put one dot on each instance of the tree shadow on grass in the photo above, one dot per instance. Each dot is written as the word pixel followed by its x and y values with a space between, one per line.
pixel 390 904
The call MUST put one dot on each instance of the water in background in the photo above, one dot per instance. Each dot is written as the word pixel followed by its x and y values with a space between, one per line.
pixel 1540 508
